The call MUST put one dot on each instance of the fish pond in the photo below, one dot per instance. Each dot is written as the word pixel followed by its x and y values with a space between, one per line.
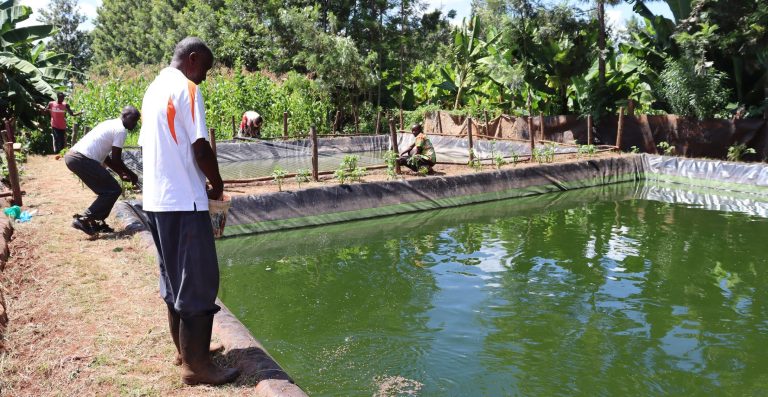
pixel 598 291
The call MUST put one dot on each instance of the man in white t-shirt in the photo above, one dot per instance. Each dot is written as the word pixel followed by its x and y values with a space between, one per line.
pixel 101 146
pixel 177 159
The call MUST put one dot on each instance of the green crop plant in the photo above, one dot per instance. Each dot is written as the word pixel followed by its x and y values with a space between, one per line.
pixel 515 158
pixel 302 176
pixel 549 152
pixel 423 171
pixel 278 174
pixel 666 148
pixel 390 159
pixel 498 158
pixel 588 150
pixel 349 162
pixel 357 174
pixel 634 149
pixel 475 162
pixel 538 155
pixel 348 170
pixel 737 152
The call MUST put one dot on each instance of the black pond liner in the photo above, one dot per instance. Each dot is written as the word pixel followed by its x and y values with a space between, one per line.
pixel 746 183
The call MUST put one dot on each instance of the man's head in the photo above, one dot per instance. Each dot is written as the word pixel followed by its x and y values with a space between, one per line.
pixel 416 129
pixel 60 97
pixel 193 57
pixel 258 121
pixel 130 117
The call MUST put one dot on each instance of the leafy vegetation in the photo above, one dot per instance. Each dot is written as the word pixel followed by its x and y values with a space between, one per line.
pixel 30 73
pixel 302 176
pixel 737 152
pixel 390 159
pixel 474 162
pixel 312 59
pixel 348 170
pixel 666 148
pixel 278 175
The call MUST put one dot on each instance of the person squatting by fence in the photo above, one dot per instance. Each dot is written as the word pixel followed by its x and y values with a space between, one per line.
pixel 177 159
pixel 102 145
pixel 250 125
pixel 425 153
pixel 58 110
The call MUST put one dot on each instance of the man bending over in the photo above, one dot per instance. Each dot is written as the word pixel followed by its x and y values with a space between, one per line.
pixel 101 146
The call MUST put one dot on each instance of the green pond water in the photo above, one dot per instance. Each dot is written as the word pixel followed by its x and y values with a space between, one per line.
pixel 589 292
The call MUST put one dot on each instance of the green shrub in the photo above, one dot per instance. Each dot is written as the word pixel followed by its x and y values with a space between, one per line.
pixel 737 152
pixel 278 174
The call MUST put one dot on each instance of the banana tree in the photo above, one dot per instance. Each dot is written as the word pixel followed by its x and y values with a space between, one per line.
pixel 467 50
pixel 29 72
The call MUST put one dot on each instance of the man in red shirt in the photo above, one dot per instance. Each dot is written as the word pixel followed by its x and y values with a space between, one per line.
pixel 58 110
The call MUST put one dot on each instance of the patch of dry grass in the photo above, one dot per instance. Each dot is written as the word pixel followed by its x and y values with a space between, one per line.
pixel 85 315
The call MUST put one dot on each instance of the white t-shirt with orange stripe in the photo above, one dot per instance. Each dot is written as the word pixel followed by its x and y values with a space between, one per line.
pixel 173 118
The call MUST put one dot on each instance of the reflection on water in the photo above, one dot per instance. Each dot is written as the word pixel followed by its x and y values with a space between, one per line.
pixel 583 293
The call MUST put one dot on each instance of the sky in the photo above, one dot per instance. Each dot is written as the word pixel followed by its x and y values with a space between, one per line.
pixel 617 16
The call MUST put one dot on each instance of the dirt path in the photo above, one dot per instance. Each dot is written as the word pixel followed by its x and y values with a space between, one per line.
pixel 85 315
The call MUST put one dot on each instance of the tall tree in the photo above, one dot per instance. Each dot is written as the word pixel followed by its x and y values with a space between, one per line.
pixel 65 16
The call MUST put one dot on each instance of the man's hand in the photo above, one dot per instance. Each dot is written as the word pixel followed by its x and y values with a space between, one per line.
pixel 215 193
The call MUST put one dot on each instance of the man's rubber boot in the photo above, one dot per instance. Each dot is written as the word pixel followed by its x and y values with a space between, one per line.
pixel 197 367
pixel 174 321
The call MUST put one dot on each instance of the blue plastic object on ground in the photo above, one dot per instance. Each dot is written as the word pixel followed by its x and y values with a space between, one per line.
pixel 25 216
pixel 13 212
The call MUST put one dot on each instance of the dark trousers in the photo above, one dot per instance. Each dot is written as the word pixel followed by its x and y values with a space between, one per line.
pixel 99 180
pixel 186 252
pixel 59 139
pixel 417 162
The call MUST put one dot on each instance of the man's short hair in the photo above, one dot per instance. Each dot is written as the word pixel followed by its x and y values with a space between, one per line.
pixel 130 111
pixel 189 45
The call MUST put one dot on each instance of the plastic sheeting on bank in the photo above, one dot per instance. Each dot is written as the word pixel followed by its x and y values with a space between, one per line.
pixel 245 159
pixel 704 183
pixel 690 137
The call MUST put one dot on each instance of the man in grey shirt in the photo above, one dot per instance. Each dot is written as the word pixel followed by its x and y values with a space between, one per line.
pixel 102 145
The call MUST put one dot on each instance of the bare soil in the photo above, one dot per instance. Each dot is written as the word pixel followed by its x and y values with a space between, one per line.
pixel 379 175
pixel 85 314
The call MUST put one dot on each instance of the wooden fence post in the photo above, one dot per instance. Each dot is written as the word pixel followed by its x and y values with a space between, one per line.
pixel 9 132
pixel 485 130
pixel 212 135
pixel 378 123
pixel 469 137
pixel 531 134
pixel 336 122
pixel 440 122
pixel 285 124
pixel 589 129
pixel 620 129
pixel 13 172
pixel 234 129
pixel 541 126
pixel 313 138
pixel 402 126
pixel 393 139
pixel 73 139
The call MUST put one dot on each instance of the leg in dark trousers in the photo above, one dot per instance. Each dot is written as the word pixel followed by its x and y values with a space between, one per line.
pixel 189 283
pixel 99 180
pixel 415 164
pixel 59 139
pixel 404 161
